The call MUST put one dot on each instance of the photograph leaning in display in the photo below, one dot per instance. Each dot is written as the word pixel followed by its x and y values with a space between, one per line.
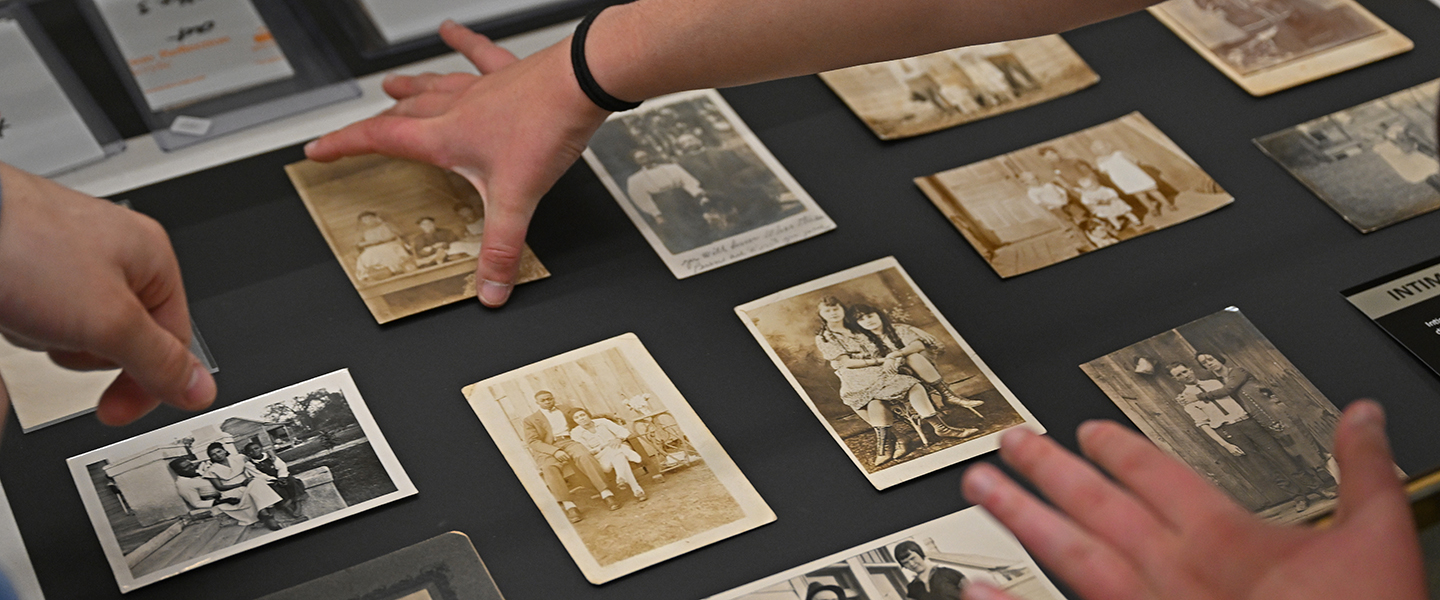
pixel 699 185
pixel 1376 164
pixel 1054 201
pixel 932 561
pixel 891 380
pixel 1270 45
pixel 921 94
pixel 1218 395
pixel 407 234
pixel 619 464
pixel 236 478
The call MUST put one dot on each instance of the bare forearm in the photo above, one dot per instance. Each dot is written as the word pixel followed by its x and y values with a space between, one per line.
pixel 654 47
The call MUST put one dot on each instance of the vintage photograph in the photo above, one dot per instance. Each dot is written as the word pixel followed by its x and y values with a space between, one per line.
pixel 1216 394
pixel 445 567
pixel 407 233
pixel 912 96
pixel 891 380
pixel 932 561
pixel 1375 164
pixel 699 185
pixel 1270 45
pixel 1051 202
pixel 236 478
pixel 619 464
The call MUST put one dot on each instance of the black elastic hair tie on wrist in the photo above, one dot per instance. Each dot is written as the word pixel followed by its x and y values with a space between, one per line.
pixel 582 70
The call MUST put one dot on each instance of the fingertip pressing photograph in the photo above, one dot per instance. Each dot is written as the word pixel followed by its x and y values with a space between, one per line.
pixel 933 561
pixel 619 464
pixel 1267 46
pixel 893 383
pixel 407 234
pixel 1218 395
pixel 1054 201
pixel 922 94
pixel 237 478
pixel 1376 164
pixel 699 185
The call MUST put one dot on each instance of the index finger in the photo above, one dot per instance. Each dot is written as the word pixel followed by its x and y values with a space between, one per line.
pixel 400 137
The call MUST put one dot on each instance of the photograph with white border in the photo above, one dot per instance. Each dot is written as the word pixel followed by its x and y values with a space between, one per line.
pixel 891 379
pixel 617 461
pixel 236 478
pixel 950 551
pixel 699 185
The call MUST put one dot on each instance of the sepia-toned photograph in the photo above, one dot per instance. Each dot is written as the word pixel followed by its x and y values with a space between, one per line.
pixel 1051 202
pixel 1218 395
pixel 933 561
pixel 1376 164
pixel 918 95
pixel 407 233
pixel 445 567
pixel 699 185
pixel 236 478
pixel 1270 45
pixel 618 463
pixel 891 380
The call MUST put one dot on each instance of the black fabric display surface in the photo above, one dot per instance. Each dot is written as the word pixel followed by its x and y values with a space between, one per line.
pixel 276 308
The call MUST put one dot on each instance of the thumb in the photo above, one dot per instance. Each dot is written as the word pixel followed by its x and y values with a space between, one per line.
pixel 507 218
pixel 1367 471
pixel 158 367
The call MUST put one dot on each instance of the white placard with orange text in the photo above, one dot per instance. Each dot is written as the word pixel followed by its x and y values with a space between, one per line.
pixel 183 51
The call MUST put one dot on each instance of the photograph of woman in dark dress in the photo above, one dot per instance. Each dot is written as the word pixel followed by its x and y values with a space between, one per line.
pixel 931 582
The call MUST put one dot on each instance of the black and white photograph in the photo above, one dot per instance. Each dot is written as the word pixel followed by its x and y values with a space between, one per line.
pixel 408 234
pixel 932 561
pixel 1376 164
pixel 699 185
pixel 237 478
pixel 445 567
pixel 913 96
pixel 619 464
pixel 1270 45
pixel 1218 395
pixel 891 380
pixel 1054 201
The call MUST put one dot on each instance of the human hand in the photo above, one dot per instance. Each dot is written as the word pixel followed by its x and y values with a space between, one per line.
pixel 97 286
pixel 511 132
pixel 1161 531
pixel 1234 450
pixel 562 456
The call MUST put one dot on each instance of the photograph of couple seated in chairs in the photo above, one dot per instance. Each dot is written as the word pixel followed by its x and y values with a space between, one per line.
pixel 880 366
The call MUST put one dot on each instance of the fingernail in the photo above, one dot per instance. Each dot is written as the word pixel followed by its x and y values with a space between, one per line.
pixel 450 23
pixel 1085 430
pixel 199 391
pixel 1015 436
pixel 388 78
pixel 1368 414
pixel 310 147
pixel 494 293
pixel 978 483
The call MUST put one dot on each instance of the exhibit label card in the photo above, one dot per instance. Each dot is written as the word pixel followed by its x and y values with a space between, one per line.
pixel 237 478
pixel 699 185
pixel 950 552
pixel 1376 164
pixel 618 463
pixel 1216 394
pixel 182 52
pixel 40 131
pixel 1406 304
pixel 885 372
pixel 402 20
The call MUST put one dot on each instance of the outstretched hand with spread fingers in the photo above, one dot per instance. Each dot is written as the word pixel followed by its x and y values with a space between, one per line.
pixel 1160 531
pixel 511 131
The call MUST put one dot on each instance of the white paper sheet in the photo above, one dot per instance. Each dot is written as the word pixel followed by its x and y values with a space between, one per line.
pixel 401 20
pixel 14 560
pixel 183 51
pixel 40 131
pixel 43 393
